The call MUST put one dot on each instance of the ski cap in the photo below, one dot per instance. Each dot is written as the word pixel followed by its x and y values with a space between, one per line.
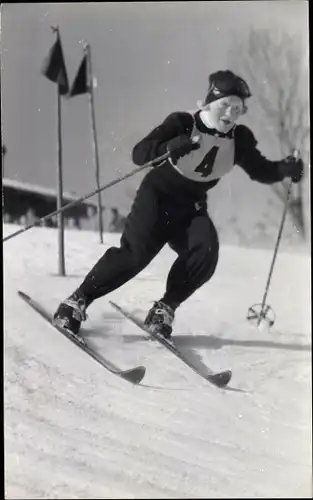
pixel 224 84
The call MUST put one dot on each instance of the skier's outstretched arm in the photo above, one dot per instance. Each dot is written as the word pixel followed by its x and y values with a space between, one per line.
pixel 257 166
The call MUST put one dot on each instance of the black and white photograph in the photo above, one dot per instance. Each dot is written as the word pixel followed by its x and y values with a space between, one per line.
pixel 156 230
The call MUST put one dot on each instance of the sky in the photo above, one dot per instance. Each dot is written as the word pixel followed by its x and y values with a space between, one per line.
pixel 149 59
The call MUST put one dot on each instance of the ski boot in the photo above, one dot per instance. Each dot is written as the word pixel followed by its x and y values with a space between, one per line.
pixel 70 313
pixel 160 319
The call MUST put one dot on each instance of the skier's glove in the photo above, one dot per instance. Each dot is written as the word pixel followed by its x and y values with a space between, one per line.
pixel 292 167
pixel 181 146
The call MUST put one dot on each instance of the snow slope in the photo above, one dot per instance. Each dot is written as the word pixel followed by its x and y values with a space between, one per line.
pixel 73 430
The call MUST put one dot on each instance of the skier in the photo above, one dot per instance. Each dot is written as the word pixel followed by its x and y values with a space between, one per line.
pixel 170 204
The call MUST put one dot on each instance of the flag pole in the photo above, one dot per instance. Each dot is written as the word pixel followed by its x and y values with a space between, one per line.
pixel 87 50
pixel 60 216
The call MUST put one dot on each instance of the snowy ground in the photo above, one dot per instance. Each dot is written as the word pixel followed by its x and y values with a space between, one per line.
pixel 73 430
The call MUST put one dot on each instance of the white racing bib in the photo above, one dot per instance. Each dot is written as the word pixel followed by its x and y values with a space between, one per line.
pixel 211 161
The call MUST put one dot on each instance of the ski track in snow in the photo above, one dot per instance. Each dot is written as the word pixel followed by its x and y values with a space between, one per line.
pixel 73 430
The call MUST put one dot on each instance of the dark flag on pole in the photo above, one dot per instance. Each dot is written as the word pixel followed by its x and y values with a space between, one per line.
pixel 54 66
pixel 54 69
pixel 80 83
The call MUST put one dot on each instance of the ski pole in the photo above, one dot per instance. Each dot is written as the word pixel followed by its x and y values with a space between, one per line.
pixel 276 248
pixel 73 203
pixel 266 309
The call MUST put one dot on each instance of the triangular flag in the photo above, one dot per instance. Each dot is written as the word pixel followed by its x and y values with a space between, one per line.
pixel 54 67
pixel 80 84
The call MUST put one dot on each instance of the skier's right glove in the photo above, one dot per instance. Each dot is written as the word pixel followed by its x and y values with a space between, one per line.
pixel 181 146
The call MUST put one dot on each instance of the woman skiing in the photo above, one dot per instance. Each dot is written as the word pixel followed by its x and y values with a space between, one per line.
pixel 170 205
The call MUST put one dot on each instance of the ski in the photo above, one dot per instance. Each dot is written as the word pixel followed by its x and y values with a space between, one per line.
pixel 219 379
pixel 133 375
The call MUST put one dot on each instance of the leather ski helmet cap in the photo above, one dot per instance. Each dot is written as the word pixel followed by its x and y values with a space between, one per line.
pixel 224 84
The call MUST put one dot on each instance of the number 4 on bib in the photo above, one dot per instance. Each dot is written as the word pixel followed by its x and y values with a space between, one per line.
pixel 207 164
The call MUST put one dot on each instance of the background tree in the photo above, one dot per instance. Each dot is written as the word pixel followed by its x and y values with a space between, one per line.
pixel 275 65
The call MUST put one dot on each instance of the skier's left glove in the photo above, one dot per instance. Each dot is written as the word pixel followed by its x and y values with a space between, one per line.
pixel 292 167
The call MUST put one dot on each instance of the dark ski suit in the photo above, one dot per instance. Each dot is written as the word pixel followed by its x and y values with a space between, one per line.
pixel 170 207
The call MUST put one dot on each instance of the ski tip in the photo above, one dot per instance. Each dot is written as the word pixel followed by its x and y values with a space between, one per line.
pixel 23 295
pixel 220 379
pixel 134 375
pixel 114 305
